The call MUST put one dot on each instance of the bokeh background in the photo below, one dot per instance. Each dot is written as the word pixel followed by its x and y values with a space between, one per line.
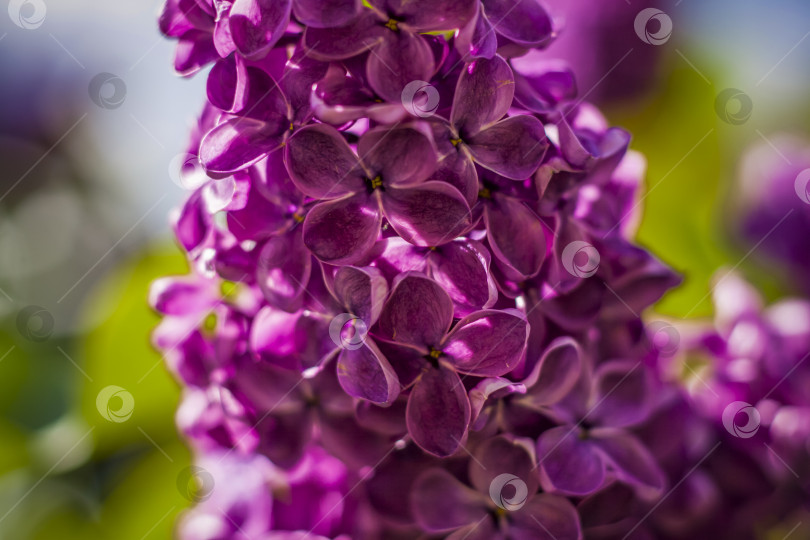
pixel 92 120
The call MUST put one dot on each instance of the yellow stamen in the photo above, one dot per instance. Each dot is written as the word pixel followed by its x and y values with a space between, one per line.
pixel 376 182
pixel 485 193
pixel 392 25
pixel 455 141
pixel 435 353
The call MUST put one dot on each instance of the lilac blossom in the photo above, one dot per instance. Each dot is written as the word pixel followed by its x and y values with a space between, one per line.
pixel 382 317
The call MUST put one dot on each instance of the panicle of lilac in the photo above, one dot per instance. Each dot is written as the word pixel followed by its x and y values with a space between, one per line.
pixel 414 299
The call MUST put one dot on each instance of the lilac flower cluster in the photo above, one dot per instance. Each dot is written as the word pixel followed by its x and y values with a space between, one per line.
pixel 742 406
pixel 413 305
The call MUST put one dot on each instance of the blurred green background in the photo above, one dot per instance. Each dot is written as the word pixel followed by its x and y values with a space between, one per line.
pixel 85 191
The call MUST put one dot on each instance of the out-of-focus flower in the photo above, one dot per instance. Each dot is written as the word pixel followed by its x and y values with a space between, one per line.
pixel 772 195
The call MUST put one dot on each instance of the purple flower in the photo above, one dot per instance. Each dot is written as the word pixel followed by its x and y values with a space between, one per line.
pixel 576 458
pixel 502 501
pixel 389 179
pixel 390 30
pixel 417 318
pixel 771 199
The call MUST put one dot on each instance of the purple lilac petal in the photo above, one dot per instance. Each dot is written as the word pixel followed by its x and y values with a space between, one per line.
pixel 462 268
pixel 478 38
pixel 555 374
pixel 283 339
pixel 430 15
pixel 283 269
pixel 630 460
pixel 418 312
pixel 193 52
pixel 623 394
pixel 500 455
pixel 491 387
pixel 400 57
pixel 567 463
pixel 432 214
pixel 483 95
pixel 522 21
pixel 240 142
pixel 321 163
pixel 358 35
pixel 343 230
pixel 326 13
pixel 442 503
pixel 256 25
pixel 515 235
pixel 438 411
pixel 546 517
pixel 401 156
pixel 513 147
pixel 487 343
pixel 365 373
pixel 458 170
pixel 362 291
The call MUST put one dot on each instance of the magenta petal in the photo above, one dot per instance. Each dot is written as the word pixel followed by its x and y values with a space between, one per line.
pixel 523 21
pixel 362 291
pixel 283 269
pixel 441 502
pixel 400 58
pixel 431 214
pixel 284 339
pixel 179 16
pixel 183 295
pixel 555 374
pixel 515 235
pixel 438 411
pixel 399 256
pixel 568 464
pixel 418 311
pixel 623 392
pixel 326 13
pixel 630 460
pixel 301 73
pixel 432 15
pixel 238 143
pixel 462 268
pixel 458 170
pixel 500 455
pixel 488 343
pixel 321 163
pixel 513 147
pixel 546 517
pixel 402 155
pixel 256 25
pixel 483 95
pixel 480 394
pixel 342 231
pixel 222 83
pixel 194 50
pixel 478 38
pixel 365 373
pixel 358 35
